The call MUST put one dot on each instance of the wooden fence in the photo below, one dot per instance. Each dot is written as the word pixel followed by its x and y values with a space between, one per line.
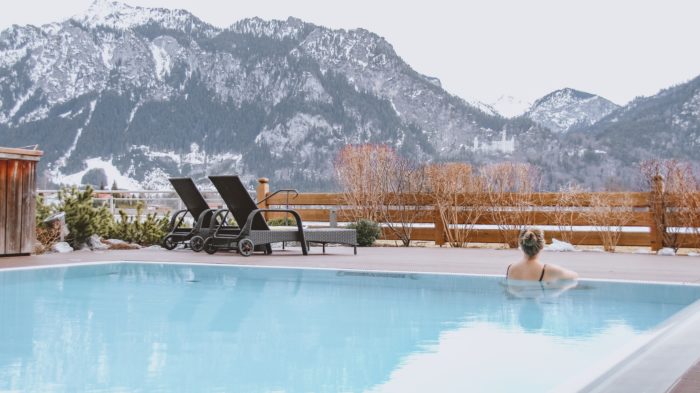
pixel 647 210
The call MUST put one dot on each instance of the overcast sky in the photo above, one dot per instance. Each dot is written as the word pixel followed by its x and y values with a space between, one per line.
pixel 481 49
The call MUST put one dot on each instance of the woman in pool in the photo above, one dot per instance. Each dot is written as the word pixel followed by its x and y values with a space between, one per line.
pixel 531 241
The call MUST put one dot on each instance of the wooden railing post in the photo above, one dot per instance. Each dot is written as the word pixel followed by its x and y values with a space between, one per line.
pixel 262 191
pixel 439 227
pixel 658 209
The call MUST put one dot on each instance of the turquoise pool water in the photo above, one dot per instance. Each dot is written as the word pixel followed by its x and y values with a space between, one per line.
pixel 158 327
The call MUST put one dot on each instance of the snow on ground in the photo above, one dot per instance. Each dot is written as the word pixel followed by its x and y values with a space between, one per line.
pixel 666 251
pixel 156 179
pixel 161 58
pixel 113 175
pixel 106 55
pixel 558 245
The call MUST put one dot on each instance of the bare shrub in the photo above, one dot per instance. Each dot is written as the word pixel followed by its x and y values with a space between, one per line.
pixel 401 205
pixel 361 171
pixel 609 214
pixel 379 185
pixel 567 210
pixel 509 189
pixel 458 195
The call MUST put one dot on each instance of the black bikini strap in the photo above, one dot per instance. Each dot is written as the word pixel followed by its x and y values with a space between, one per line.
pixel 542 275
pixel 507 270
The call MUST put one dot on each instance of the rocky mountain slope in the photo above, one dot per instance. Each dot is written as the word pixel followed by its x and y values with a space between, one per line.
pixel 665 125
pixel 136 94
pixel 568 109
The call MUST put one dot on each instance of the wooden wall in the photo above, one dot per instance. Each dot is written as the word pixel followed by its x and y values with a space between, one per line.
pixel 17 201
pixel 317 207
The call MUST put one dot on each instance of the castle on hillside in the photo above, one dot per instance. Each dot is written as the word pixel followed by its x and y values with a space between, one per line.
pixel 503 145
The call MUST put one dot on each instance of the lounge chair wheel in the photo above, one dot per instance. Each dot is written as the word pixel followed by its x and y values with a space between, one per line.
pixel 169 243
pixel 197 243
pixel 209 246
pixel 246 247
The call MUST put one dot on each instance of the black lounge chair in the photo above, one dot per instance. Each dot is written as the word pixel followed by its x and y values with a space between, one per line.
pixel 255 234
pixel 196 207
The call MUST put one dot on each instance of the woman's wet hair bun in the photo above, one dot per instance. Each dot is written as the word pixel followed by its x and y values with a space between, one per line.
pixel 531 241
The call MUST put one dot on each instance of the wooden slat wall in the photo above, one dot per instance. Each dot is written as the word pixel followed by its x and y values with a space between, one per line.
pixel 28 207
pixel 17 206
pixel 426 216
pixel 14 214
pixel 3 204
pixel 636 199
pixel 316 207
pixel 689 240
pixel 494 236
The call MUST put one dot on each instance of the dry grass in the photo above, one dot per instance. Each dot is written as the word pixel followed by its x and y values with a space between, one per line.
pixel 46 237
pixel 123 246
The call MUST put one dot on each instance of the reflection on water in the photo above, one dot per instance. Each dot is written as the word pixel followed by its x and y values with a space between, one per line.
pixel 197 328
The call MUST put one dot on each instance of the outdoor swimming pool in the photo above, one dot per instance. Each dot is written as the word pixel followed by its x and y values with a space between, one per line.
pixel 201 328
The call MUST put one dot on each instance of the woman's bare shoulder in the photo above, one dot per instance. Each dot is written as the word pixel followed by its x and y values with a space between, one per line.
pixel 556 272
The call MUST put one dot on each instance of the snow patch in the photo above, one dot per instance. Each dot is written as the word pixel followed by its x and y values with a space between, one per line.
pixel 156 179
pixel 106 55
pixel 123 16
pixel 61 162
pixel 113 175
pixel 666 252
pixel 161 59
pixel 561 246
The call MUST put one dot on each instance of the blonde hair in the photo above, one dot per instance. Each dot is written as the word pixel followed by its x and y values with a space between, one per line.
pixel 531 241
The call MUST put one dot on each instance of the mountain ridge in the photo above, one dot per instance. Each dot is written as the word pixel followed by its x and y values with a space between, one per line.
pixel 140 94
pixel 566 109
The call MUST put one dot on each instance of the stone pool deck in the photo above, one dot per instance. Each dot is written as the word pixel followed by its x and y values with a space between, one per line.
pixel 591 265
pixel 588 264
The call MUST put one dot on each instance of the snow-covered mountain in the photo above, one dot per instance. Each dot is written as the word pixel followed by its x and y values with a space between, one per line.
pixel 568 109
pixel 136 94
pixel 509 106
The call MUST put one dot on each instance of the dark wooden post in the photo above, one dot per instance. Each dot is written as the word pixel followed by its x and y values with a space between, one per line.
pixel 439 227
pixel 658 209
pixel 262 191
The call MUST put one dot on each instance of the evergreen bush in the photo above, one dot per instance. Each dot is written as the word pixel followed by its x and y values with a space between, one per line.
pixel 142 230
pixel 282 222
pixel 367 232
pixel 82 218
pixel 43 211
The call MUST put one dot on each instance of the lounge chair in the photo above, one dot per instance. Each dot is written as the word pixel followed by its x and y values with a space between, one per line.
pixel 255 234
pixel 197 208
